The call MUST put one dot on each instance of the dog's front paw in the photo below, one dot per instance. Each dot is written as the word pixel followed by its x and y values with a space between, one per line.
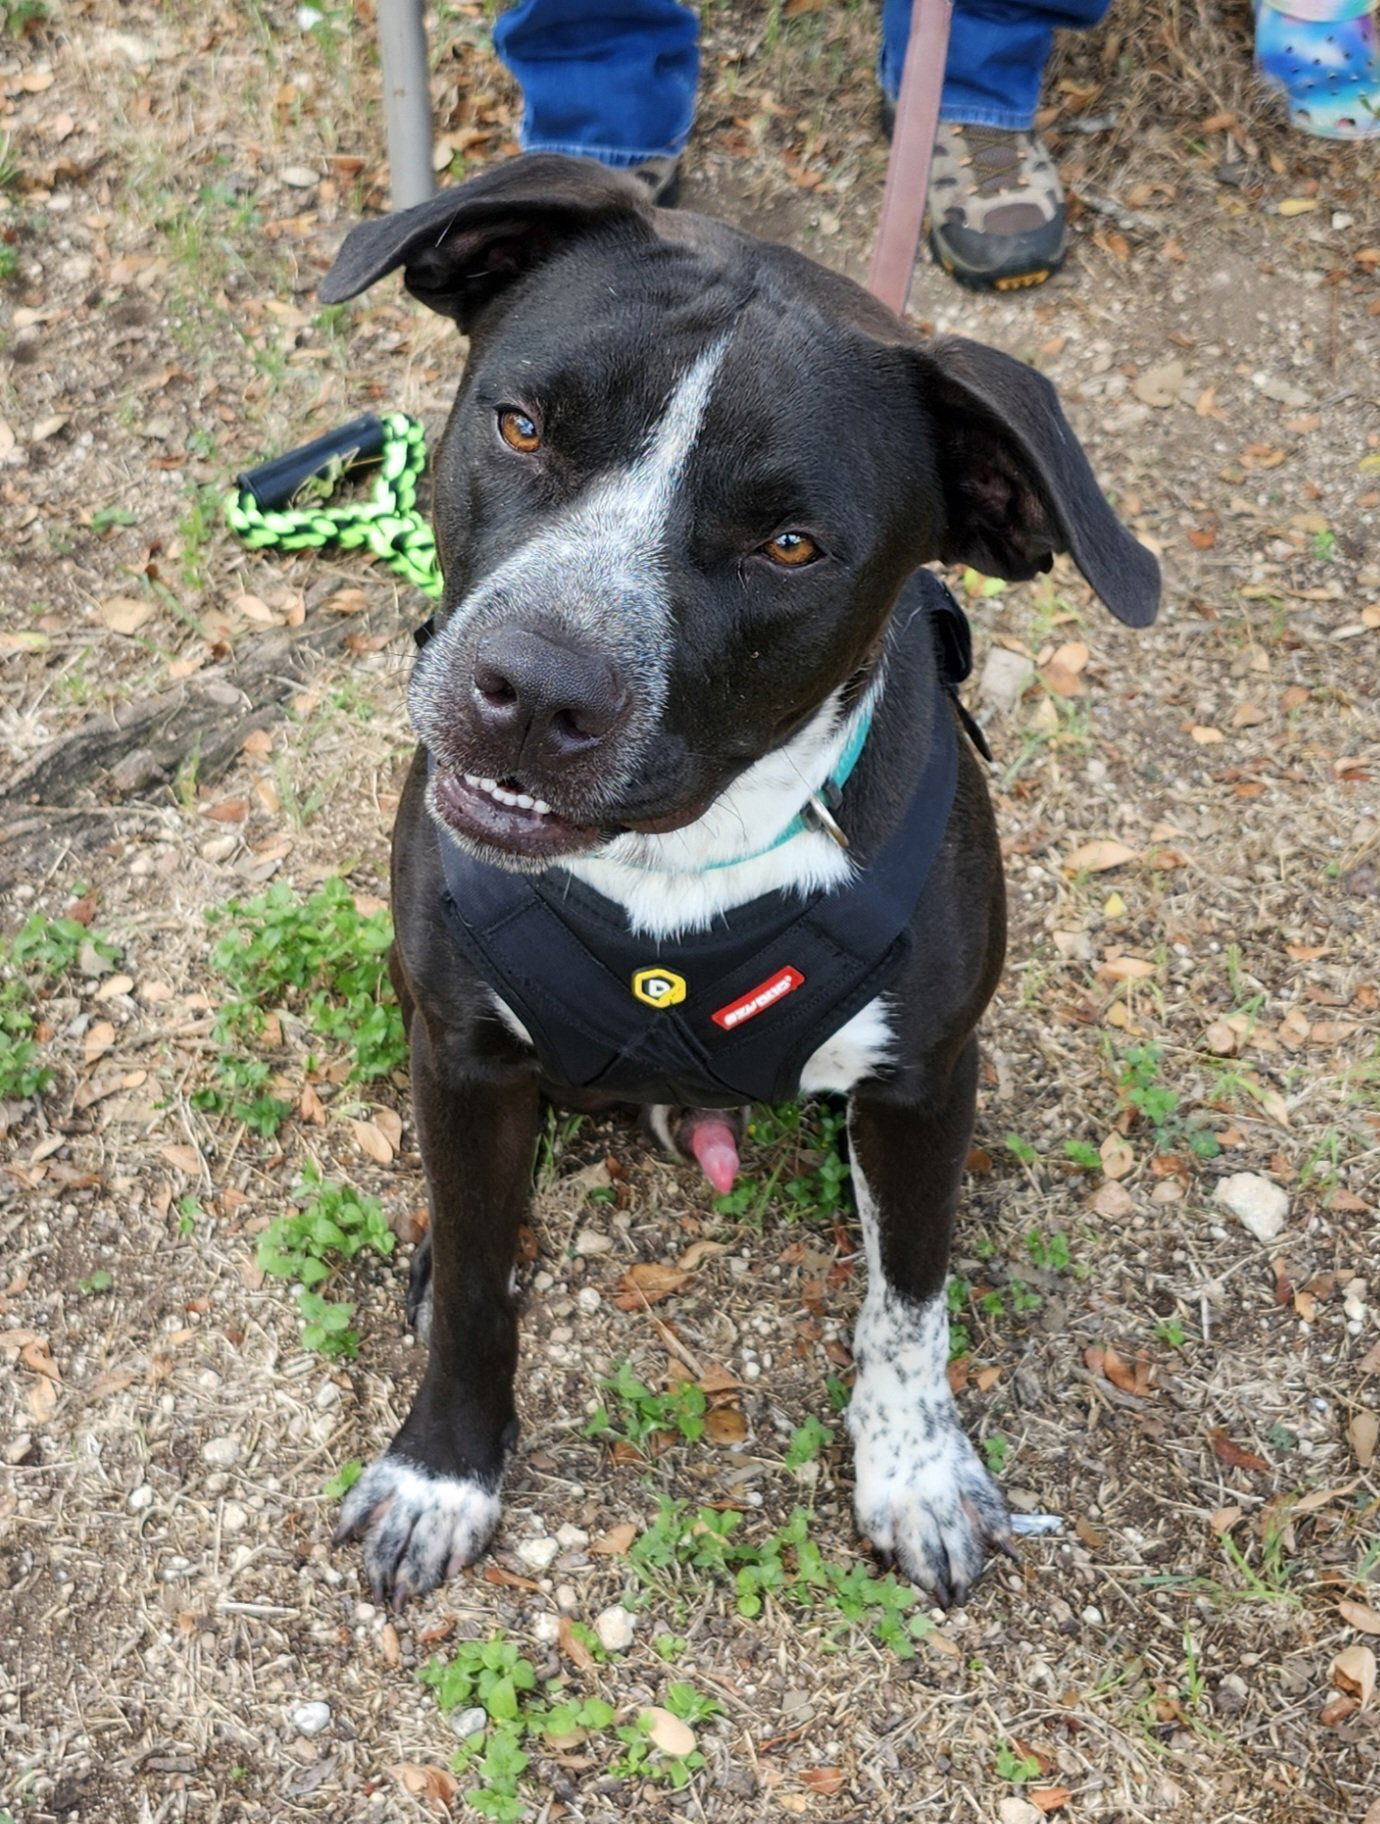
pixel 926 1503
pixel 418 1528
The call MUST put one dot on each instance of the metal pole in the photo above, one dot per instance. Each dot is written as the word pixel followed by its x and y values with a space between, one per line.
pixel 406 100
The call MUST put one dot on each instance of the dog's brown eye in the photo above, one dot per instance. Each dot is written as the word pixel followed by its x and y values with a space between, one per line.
pixel 793 550
pixel 518 431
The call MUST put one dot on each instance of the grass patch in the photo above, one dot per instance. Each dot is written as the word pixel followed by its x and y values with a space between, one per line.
pixel 317 959
pixel 516 1714
pixel 332 1223
pixel 807 1174
pixel 35 961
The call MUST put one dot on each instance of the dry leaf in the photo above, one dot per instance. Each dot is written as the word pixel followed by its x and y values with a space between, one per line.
pixel 1357 1615
pixel 1125 969
pixel 725 1425
pixel 99 1038
pixel 124 613
pixel 1232 1454
pixel 668 1732
pixel 615 1541
pixel 372 1142
pixel 37 1357
pixel 389 1123
pixel 1097 857
pixel 1117 1157
pixel 1049 1798
pixel 41 1399
pixel 1206 736
pixel 1353 1671
pixel 185 1158
pixel 1159 386
pixel 698 1252
pixel 434 1786
pixel 572 1647
pixel 823 1780
pixel 647 1284
pixel 1362 1432
pixel 1113 1201
pixel 1298 205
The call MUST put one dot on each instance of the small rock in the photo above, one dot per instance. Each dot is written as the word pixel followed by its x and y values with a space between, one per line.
pixel 547 1629
pixel 311 1719
pixel 1232 1693
pixel 223 1453
pixel 588 1299
pixel 537 1554
pixel 233 1517
pixel 615 1628
pixel 567 1598
pixel 1006 676
pixel 571 1538
pixel 299 177
pixel 466 1723
pixel 139 1498
pixel 1159 386
pixel 1019 1811
pixel 1282 391
pixel 590 1241
pixel 1258 1204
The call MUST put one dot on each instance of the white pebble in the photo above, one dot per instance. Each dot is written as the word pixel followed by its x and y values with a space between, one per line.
pixel 571 1538
pixel 469 1722
pixel 537 1554
pixel 547 1629
pixel 139 1498
pixel 591 1241
pixel 588 1299
pixel 233 1517
pixel 224 1453
pixel 311 1719
pixel 1259 1205
pixel 1092 1614
pixel 615 1628
pixel 567 1598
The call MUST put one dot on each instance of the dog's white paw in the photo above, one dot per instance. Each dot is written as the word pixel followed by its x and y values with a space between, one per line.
pixel 926 1502
pixel 418 1528
pixel 923 1498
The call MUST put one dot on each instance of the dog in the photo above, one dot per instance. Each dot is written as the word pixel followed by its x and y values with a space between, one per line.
pixel 692 822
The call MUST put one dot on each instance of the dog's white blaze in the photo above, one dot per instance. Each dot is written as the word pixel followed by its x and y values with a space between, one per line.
pixel 674 883
pixel 856 1051
pixel 436 1523
pixel 918 1477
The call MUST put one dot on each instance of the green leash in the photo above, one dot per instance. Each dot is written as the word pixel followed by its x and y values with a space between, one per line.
pixel 263 509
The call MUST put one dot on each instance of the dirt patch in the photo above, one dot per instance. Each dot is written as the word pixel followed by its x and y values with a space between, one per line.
pixel 170 1605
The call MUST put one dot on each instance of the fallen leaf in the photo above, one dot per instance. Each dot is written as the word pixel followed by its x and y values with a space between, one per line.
pixel 1206 736
pixel 100 1036
pixel 647 1284
pixel 124 613
pixel 725 1425
pixel 372 1142
pixel 41 1398
pixel 1117 1157
pixel 698 1252
pixel 1112 1200
pixel 1125 969
pixel 823 1780
pixel 185 1158
pixel 1232 1454
pixel 1223 1519
pixel 1358 1615
pixel 616 1541
pixel 37 1357
pixel 434 1786
pixel 1096 857
pixel 1298 205
pixel 1362 1431
pixel 668 1732
pixel 1049 1798
pixel 1353 1671
pixel 572 1647
pixel 389 1123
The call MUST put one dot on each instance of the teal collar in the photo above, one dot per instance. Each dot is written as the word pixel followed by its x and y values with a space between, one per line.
pixel 815 814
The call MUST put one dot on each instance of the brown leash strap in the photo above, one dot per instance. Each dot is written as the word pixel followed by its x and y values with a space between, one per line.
pixel 912 146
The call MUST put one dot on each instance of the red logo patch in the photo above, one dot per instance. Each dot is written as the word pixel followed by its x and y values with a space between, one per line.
pixel 757 1000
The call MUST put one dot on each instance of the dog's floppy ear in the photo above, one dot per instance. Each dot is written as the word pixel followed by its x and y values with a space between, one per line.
pixel 1017 486
pixel 462 247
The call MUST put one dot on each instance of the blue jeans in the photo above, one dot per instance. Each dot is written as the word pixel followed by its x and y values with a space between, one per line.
pixel 615 79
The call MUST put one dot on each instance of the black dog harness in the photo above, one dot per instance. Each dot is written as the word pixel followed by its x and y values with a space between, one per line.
pixel 725 1016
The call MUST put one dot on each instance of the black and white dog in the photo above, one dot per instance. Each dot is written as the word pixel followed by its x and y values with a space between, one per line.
pixel 690 824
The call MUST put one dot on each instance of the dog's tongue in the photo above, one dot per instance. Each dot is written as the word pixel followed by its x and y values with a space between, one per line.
pixel 715 1146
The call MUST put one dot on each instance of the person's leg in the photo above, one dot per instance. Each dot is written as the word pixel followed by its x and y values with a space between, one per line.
pixel 996 206
pixel 612 80
pixel 998 50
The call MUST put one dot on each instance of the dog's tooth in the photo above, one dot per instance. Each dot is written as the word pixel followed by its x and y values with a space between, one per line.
pixel 523 802
pixel 488 785
pixel 472 779
pixel 541 807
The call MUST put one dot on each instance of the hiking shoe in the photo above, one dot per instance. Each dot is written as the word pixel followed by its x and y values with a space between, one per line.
pixel 662 178
pixel 996 208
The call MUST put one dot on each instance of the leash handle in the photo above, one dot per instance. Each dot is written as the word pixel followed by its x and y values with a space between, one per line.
pixel 273 484
pixel 912 147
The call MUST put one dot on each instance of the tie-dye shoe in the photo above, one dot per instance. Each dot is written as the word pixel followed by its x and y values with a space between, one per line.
pixel 1325 55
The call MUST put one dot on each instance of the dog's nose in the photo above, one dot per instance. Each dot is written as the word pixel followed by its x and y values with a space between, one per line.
pixel 548 697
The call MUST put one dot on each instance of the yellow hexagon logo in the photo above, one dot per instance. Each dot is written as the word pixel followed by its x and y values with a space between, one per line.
pixel 659 987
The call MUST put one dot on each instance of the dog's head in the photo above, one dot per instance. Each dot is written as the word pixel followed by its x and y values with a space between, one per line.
pixel 686 475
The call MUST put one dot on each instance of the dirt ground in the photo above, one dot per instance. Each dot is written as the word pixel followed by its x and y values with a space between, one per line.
pixel 1190 817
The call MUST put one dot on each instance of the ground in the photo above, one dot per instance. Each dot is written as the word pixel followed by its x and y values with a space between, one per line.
pixel 1190 818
